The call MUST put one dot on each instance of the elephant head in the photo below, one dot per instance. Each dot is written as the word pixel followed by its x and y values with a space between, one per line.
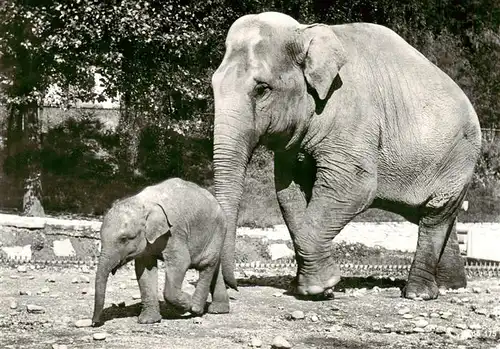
pixel 128 230
pixel 275 74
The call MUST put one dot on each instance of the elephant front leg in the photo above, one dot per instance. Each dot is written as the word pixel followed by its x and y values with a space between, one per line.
pixel 177 261
pixel 146 271
pixel 315 214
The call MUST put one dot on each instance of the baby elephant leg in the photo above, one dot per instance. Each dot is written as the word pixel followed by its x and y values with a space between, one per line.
pixel 147 277
pixel 177 262
pixel 220 299
pixel 202 289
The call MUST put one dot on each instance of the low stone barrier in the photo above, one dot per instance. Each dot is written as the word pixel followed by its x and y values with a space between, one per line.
pixel 19 235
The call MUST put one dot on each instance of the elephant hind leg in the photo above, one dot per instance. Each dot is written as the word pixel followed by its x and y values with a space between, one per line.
pixel 437 259
pixel 203 288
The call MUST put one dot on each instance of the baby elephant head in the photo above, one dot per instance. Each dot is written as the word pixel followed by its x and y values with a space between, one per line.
pixel 128 231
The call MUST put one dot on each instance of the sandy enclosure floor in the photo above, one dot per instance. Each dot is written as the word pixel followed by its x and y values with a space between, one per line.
pixel 354 319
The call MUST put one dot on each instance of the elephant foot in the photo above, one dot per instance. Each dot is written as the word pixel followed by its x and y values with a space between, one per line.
pixel 181 304
pixel 423 289
pixel 149 317
pixel 218 308
pixel 316 286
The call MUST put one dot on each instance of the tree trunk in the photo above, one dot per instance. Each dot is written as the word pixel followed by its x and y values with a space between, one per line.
pixel 129 130
pixel 24 144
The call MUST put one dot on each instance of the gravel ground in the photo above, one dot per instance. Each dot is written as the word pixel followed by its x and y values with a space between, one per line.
pixel 38 309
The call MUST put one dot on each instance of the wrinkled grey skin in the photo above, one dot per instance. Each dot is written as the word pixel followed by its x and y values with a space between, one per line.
pixel 357 118
pixel 174 221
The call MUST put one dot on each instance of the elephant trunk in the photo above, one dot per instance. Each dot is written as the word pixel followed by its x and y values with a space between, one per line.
pixel 234 142
pixel 104 267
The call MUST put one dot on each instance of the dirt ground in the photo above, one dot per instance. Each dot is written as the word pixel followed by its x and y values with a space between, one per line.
pixel 355 318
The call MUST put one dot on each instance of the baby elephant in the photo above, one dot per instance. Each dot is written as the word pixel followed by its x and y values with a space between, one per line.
pixel 174 221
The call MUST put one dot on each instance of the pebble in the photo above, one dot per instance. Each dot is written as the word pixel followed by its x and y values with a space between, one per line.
pixel 280 342
pixel 59 346
pixel 136 296
pixel 430 328
pixel 122 286
pixel 99 336
pixel 407 316
pixel 297 315
pixel 442 291
pixel 423 315
pixel 83 323
pixel 255 342
pixel 418 330
pixel 51 279
pixel 421 323
pixel 403 311
pixel 488 291
pixel 334 328
pixel 31 277
pixel 74 280
pixel 14 276
pixel 446 315
pixel 35 309
pixel 197 321
pixel 440 330
pixel 45 290
pixel 475 327
pixel 481 311
pixel 314 318
pixel 434 315
pixel 465 335
pixel 477 290
pixel 22 269
pixel 13 304
pixel 461 326
pixel 278 294
pixel 466 300
pixel 389 326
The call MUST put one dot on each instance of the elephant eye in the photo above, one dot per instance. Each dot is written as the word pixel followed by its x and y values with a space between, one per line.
pixel 261 88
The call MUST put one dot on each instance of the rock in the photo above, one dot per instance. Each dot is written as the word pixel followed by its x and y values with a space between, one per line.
pixel 434 315
pixel 22 269
pixel 45 290
pixel 277 251
pixel 280 342
pixel 481 311
pixel 476 290
pixel 83 323
pixel 376 289
pixel 25 293
pixel 35 309
pixel 18 252
pixel 421 323
pixel 389 326
pixel 255 342
pixel 74 280
pixel 466 300
pixel 278 294
pixel 423 315
pixel 63 248
pixel 442 292
pixel 440 330
pixel 83 279
pixel 403 311
pixel 475 327
pixel 461 326
pixel 407 316
pixel 297 315
pixel 51 279
pixel 136 296
pixel 314 318
pixel 197 321
pixel 418 330
pixel 465 335
pixel 99 336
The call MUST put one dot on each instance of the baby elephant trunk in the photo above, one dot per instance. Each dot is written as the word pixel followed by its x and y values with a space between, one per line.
pixel 101 280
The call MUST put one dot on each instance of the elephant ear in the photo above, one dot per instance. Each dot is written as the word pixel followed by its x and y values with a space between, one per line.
pixel 324 56
pixel 157 223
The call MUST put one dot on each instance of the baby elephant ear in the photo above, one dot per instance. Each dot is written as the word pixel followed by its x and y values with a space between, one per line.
pixel 157 223
pixel 324 56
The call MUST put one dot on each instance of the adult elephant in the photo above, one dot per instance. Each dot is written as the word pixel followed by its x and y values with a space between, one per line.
pixel 377 123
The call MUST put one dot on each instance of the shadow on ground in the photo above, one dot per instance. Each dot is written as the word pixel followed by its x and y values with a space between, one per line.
pixel 284 283
pixel 321 342
pixel 133 310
